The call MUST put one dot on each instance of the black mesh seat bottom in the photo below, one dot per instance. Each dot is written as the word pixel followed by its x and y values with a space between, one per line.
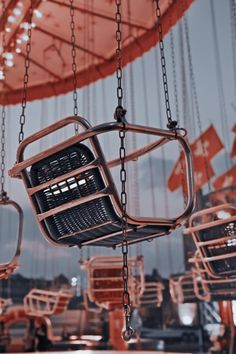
pixel 224 291
pixel 113 240
pixel 226 247
pixel 224 267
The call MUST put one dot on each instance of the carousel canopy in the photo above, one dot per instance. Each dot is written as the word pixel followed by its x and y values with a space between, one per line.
pixel 50 71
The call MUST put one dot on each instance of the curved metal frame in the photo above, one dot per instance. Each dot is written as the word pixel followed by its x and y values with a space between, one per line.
pixel 152 294
pixel 178 293
pixel 91 133
pixel 202 246
pixel 136 286
pixel 202 283
pixel 6 269
pixel 39 302
pixel 88 308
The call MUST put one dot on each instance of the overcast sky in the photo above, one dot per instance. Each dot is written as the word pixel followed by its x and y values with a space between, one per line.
pixel 165 253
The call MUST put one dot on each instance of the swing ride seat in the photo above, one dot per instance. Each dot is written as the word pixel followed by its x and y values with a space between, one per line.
pixel 7 268
pixel 182 288
pixel 73 194
pixel 152 294
pixel 105 280
pixel 208 288
pixel 214 233
pixel 39 302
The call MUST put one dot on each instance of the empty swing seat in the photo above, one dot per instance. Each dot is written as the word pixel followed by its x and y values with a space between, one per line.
pixel 105 282
pixel 7 268
pixel 214 233
pixel 182 288
pixel 73 194
pixel 39 302
pixel 208 288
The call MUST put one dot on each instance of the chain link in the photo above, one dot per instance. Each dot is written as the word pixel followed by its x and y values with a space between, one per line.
pixel 171 123
pixel 120 117
pixel 26 74
pixel 74 65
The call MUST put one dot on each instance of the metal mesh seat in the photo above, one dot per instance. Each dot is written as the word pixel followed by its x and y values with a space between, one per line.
pixel 74 196
pixel 214 233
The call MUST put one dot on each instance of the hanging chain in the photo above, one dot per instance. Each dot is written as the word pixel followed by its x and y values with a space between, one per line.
pixel 74 65
pixel 120 117
pixel 172 124
pixel 3 194
pixel 26 74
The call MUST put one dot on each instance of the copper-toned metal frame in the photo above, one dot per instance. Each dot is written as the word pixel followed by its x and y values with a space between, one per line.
pixel 88 308
pixel 53 302
pixel 136 286
pixel 148 298
pixel 6 269
pixel 178 294
pixel 193 230
pixel 91 133
pixel 202 281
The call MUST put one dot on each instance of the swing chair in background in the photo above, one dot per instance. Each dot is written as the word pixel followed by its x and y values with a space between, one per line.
pixel 213 229
pixel 7 268
pixel 208 288
pixel 40 303
pixel 105 281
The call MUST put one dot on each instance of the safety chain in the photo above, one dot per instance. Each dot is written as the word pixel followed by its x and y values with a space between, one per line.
pixel 3 194
pixel 172 124
pixel 74 66
pixel 119 56
pixel 120 117
pixel 26 74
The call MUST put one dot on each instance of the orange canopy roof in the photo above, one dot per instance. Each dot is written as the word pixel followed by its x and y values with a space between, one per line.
pixel 50 71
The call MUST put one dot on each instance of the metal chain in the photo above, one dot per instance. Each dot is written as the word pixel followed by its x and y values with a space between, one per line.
pixel 3 194
pixel 120 117
pixel 172 124
pixel 26 74
pixel 74 65
pixel 119 55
